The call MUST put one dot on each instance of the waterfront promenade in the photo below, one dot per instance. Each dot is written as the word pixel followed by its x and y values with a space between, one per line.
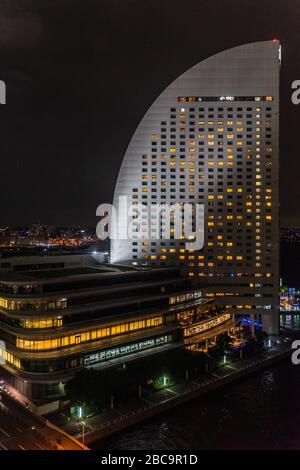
pixel 121 417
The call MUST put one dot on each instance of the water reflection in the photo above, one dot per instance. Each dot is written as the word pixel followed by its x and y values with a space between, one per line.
pixel 261 411
pixel 290 321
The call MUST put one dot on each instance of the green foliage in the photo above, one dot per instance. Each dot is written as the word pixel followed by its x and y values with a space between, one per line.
pixel 86 387
pixel 223 344
pixel 95 387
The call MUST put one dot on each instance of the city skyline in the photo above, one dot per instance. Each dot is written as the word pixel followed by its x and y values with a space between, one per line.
pixel 149 228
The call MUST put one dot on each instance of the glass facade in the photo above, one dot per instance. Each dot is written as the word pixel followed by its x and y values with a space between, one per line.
pixel 85 336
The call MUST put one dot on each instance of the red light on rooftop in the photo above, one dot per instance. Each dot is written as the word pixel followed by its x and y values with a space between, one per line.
pixel 275 40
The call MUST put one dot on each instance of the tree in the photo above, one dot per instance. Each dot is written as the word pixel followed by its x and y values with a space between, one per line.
pixel 86 387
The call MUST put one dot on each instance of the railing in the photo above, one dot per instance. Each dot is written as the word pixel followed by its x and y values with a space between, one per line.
pixel 195 387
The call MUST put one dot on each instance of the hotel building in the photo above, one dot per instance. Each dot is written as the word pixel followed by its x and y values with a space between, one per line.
pixel 211 138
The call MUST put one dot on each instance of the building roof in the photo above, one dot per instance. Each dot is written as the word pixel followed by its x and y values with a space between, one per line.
pixel 46 276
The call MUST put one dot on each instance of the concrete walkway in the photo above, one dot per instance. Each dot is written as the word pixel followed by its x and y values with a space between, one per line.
pixel 137 410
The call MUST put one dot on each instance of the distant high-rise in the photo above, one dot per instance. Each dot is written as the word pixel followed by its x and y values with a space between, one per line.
pixel 212 137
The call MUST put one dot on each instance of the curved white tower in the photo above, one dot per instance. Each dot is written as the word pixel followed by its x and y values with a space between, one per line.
pixel 211 137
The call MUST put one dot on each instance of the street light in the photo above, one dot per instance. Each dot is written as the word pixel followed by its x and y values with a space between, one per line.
pixel 83 426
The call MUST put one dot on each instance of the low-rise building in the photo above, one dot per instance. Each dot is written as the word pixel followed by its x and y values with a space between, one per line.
pixel 57 320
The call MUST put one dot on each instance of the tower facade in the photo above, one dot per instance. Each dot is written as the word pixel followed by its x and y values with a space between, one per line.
pixel 212 138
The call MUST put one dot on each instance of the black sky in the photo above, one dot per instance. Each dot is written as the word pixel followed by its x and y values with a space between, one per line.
pixel 80 74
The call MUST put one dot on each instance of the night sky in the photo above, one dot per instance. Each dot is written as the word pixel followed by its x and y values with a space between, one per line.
pixel 81 74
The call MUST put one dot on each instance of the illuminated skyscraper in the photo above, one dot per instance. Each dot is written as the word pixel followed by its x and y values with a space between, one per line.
pixel 212 138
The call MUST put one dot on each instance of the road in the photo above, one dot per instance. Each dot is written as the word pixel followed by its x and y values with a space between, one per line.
pixel 20 429
pixel 15 434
